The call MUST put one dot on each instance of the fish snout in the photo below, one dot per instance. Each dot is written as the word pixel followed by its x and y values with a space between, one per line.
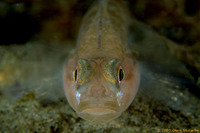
pixel 100 90
pixel 97 91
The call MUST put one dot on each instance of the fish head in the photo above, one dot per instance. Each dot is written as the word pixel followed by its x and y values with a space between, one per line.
pixel 100 89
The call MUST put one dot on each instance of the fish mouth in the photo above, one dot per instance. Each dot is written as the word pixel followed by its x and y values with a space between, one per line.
pixel 98 113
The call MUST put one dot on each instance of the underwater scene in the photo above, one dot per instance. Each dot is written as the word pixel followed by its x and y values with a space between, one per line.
pixel 38 38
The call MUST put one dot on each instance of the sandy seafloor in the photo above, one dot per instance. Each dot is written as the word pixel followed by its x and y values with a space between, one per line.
pixel 31 91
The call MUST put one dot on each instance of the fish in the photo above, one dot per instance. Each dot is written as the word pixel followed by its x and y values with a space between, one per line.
pixel 31 81
pixel 101 76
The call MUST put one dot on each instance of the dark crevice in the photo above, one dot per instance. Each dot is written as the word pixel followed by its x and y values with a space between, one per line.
pixel 17 28
pixel 192 7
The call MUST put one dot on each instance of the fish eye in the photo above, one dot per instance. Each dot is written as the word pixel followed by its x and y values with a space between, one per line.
pixel 75 74
pixel 120 74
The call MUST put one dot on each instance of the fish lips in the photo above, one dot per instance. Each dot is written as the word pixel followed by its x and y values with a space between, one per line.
pixel 98 112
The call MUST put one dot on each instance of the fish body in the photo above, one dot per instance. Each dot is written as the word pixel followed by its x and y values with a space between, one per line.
pixel 101 77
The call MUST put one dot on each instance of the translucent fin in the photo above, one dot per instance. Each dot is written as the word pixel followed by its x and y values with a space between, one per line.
pixel 169 89
pixel 34 67
pixel 163 77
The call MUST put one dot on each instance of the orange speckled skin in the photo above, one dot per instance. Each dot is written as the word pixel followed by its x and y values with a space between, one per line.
pixel 102 43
